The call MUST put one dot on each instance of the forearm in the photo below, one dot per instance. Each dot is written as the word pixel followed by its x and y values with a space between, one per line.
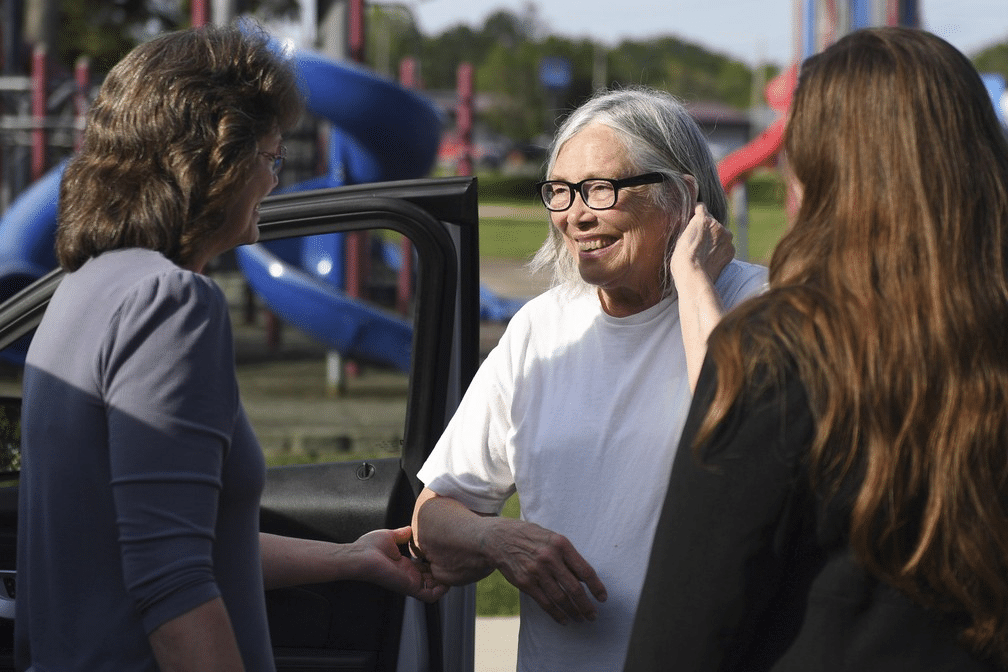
pixel 700 310
pixel 200 640
pixel 289 561
pixel 453 539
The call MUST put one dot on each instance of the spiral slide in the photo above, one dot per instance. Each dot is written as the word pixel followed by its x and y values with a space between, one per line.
pixel 381 131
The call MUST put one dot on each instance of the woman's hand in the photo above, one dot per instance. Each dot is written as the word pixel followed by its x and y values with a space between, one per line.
pixel 382 563
pixel 704 244
pixel 545 566
pixel 463 546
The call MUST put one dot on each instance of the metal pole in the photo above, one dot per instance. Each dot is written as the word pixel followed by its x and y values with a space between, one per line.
pixel 200 12
pixel 464 117
pixel 82 75
pixel 39 78
pixel 740 208
pixel 404 284
pixel 358 34
pixel 10 36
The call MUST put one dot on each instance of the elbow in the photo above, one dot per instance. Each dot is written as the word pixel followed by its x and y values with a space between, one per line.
pixel 421 520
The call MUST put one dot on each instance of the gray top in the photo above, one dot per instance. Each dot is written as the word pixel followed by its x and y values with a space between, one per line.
pixel 141 476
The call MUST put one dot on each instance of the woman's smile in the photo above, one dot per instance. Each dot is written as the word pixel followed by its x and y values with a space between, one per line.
pixel 595 244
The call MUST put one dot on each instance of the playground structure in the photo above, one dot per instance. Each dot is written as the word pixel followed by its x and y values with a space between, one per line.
pixel 376 130
pixel 818 23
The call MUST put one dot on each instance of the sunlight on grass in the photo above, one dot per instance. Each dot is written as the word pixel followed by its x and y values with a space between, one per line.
pixel 510 238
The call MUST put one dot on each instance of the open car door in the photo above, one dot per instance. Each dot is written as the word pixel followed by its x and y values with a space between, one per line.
pixel 348 383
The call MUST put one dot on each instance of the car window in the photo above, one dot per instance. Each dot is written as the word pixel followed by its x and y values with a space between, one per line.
pixel 322 361
pixel 323 358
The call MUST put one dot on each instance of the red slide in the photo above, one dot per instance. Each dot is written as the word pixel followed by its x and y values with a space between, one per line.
pixel 763 150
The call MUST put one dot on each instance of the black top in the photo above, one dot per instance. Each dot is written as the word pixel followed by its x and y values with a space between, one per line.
pixel 750 571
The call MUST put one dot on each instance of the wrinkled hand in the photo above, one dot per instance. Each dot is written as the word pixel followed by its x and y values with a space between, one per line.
pixel 389 568
pixel 546 566
pixel 704 244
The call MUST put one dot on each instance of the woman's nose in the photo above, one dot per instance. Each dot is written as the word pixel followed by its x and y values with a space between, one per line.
pixel 579 214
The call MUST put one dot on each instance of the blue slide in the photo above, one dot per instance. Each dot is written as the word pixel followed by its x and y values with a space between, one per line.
pixel 381 131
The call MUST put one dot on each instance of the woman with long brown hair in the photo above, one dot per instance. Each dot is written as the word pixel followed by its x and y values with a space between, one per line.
pixel 840 497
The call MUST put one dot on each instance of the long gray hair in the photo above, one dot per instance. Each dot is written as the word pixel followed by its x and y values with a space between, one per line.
pixel 660 136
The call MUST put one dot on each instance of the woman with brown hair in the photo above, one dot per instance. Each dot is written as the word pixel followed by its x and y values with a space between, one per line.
pixel 840 497
pixel 138 538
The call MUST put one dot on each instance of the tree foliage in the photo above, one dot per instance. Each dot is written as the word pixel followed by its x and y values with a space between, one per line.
pixel 505 52
pixel 106 31
pixel 993 59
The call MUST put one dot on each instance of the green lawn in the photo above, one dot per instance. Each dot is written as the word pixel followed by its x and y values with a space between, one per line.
pixel 511 238
pixel 519 236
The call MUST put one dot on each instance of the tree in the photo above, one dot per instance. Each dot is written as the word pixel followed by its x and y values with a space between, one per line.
pixel 106 31
pixel 993 59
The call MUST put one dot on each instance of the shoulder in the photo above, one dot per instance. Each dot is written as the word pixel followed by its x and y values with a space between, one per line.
pixel 149 277
pixel 145 291
pixel 740 280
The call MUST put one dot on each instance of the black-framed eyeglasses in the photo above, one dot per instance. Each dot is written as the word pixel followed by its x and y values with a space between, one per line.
pixel 597 193
pixel 277 159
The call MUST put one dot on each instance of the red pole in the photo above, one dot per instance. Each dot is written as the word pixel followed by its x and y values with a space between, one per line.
pixel 404 284
pixel 39 77
pixel 200 12
pixel 355 242
pixel 408 73
pixel 357 31
pixel 82 76
pixel 464 117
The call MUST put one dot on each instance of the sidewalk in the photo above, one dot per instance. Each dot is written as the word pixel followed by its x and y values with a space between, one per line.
pixel 496 644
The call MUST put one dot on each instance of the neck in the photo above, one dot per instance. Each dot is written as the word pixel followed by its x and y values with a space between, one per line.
pixel 625 304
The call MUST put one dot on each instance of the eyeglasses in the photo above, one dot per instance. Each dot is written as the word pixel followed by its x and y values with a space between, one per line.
pixel 597 193
pixel 277 159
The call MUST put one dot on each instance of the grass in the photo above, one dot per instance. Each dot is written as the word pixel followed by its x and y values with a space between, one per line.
pixel 518 236
pixel 766 226
pixel 510 238
pixel 495 596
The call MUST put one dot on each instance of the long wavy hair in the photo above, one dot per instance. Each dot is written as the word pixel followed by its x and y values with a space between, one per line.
pixel 660 136
pixel 890 296
pixel 169 141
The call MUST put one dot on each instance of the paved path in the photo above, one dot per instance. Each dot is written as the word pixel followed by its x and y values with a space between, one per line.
pixel 512 278
pixel 496 644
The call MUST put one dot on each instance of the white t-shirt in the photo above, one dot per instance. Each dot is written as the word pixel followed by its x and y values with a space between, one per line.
pixel 580 413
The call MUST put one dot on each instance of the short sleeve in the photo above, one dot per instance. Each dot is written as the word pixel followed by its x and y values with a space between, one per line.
pixel 470 461
pixel 167 375
pixel 739 281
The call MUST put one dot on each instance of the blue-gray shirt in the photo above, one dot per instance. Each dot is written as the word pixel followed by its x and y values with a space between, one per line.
pixel 141 476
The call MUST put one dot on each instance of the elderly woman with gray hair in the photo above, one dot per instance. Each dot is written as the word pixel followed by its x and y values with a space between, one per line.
pixel 580 406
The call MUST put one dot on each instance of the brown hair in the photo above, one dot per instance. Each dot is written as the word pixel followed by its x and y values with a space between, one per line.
pixel 890 296
pixel 171 137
